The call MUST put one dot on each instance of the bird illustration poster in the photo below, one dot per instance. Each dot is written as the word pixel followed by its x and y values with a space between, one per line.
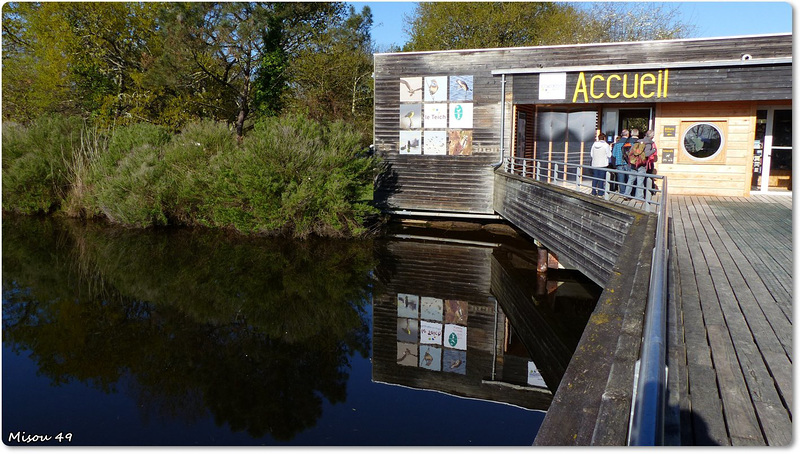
pixel 454 361
pixel 431 308
pixel 435 89
pixel 407 330
pixel 410 116
pixel 455 336
pixel 407 354
pixel 411 89
pixel 460 143
pixel 460 115
pixel 435 115
pixel 407 305
pixel 430 357
pixel 410 142
pixel 430 333
pixel 461 88
pixel 434 143
pixel 455 311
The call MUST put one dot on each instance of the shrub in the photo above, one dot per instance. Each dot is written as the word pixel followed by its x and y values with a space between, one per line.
pixel 36 177
pixel 127 184
pixel 296 176
pixel 189 172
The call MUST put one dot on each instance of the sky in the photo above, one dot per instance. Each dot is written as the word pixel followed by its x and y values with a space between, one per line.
pixel 712 19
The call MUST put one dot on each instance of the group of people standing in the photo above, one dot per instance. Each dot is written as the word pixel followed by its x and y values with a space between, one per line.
pixel 622 156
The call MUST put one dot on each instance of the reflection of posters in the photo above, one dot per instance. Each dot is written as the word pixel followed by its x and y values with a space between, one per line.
pixel 430 333
pixel 455 312
pixel 407 305
pixel 454 361
pixel 455 336
pixel 430 357
pixel 435 116
pixel 432 308
pixel 460 143
pixel 407 354
pixel 407 330
pixel 461 88
pixel 460 115
pixel 410 89
pixel 410 116
pixel 435 142
pixel 534 377
pixel 435 88
pixel 410 142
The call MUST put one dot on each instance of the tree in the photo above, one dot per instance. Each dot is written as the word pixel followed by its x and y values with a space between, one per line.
pixel 227 42
pixel 618 22
pixel 332 74
pixel 37 44
pixel 470 25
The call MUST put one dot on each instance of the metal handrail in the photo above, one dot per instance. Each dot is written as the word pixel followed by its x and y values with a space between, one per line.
pixel 579 178
pixel 647 420
pixel 648 404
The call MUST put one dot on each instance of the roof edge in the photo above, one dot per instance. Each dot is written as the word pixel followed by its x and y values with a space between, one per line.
pixel 557 46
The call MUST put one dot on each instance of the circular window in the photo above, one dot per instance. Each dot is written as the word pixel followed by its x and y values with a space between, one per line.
pixel 703 140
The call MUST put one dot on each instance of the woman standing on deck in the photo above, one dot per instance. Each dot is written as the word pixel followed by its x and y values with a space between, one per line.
pixel 601 153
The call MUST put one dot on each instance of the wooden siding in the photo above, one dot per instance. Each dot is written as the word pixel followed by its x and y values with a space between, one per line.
pixel 584 231
pixel 740 83
pixel 463 183
pixel 728 176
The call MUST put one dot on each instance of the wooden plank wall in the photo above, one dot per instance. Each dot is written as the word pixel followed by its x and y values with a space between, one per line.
pixel 738 83
pixel 584 231
pixel 593 402
pixel 730 175
pixel 464 183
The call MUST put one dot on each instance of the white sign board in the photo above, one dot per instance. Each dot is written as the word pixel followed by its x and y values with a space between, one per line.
pixel 455 336
pixel 430 333
pixel 534 376
pixel 461 115
pixel 553 86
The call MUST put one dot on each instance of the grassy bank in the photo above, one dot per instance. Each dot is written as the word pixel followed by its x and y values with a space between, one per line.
pixel 289 176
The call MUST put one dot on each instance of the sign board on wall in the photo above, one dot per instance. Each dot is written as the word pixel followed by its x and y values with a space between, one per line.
pixel 436 115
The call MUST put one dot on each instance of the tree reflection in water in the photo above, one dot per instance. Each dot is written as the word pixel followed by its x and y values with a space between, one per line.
pixel 256 331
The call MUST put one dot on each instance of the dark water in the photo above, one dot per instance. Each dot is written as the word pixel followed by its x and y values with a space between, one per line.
pixel 181 337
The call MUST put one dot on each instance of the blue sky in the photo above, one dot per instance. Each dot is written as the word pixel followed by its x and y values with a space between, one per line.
pixel 712 19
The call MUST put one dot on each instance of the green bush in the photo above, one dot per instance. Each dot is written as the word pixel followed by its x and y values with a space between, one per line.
pixel 191 165
pixel 291 176
pixel 126 184
pixel 35 163
pixel 295 176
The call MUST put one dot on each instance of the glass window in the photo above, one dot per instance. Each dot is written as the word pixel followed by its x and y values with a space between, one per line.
pixel 782 129
pixel 703 140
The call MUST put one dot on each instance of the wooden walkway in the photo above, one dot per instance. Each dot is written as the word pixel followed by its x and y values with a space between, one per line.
pixel 730 321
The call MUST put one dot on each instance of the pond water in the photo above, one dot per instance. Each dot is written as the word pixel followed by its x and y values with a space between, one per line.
pixel 186 337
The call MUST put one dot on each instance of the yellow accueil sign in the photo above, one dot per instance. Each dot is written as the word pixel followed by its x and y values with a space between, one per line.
pixel 629 86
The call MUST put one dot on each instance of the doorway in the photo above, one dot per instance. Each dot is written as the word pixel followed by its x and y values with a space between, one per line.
pixel 617 119
pixel 772 151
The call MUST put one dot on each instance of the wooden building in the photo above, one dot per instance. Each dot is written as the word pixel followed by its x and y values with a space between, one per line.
pixel 720 107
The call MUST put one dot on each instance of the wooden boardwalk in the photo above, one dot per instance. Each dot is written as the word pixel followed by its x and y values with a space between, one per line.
pixel 730 321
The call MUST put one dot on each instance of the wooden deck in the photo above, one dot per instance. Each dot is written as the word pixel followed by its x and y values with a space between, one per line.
pixel 730 321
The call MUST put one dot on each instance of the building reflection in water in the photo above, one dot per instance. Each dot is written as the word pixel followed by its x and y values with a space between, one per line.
pixel 475 320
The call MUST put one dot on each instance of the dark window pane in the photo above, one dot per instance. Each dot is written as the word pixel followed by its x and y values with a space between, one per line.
pixel 782 129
